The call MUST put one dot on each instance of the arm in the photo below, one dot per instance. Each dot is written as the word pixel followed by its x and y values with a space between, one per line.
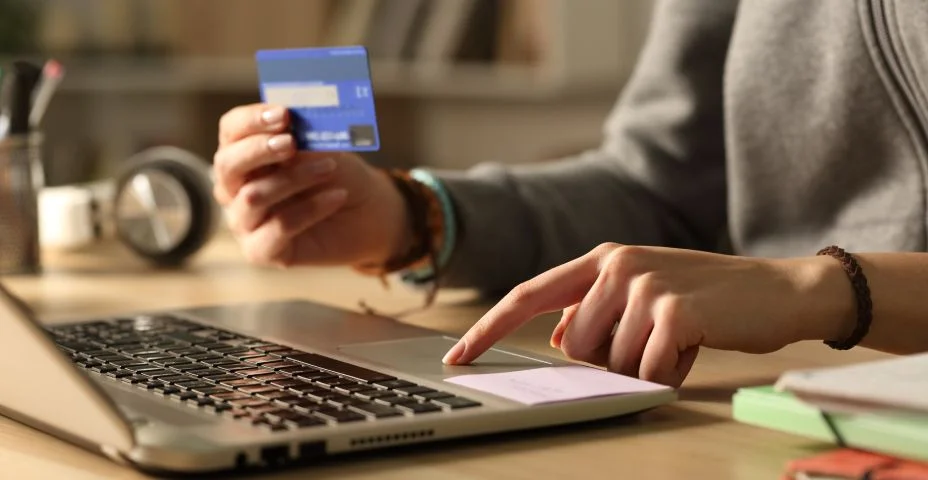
pixel 898 282
pixel 669 302
pixel 657 179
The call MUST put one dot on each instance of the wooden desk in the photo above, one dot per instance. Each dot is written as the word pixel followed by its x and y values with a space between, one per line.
pixel 693 438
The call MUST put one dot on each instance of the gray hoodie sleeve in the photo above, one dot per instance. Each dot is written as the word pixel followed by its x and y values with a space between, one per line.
pixel 658 177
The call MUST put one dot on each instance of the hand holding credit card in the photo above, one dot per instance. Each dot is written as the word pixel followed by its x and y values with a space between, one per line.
pixel 328 92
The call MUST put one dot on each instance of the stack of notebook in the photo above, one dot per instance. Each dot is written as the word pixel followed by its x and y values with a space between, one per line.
pixel 880 407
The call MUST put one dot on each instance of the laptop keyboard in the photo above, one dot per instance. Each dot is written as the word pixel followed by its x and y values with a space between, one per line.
pixel 268 385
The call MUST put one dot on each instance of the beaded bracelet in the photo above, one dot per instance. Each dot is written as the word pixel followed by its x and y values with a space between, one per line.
pixel 426 213
pixel 861 292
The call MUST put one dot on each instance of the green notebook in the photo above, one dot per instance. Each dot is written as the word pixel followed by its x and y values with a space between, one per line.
pixel 902 435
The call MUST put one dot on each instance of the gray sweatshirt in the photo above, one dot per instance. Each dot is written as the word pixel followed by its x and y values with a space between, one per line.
pixel 759 127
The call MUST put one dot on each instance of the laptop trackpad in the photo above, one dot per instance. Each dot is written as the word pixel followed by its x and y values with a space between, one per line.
pixel 422 356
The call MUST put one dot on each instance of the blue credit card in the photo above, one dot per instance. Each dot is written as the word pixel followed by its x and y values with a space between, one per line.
pixel 328 92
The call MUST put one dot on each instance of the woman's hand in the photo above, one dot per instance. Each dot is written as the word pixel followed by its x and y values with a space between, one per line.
pixel 300 208
pixel 645 311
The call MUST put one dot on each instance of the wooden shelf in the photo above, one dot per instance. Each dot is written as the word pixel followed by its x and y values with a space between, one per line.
pixel 237 75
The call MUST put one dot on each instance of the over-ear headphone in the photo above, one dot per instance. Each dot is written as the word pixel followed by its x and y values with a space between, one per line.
pixel 159 205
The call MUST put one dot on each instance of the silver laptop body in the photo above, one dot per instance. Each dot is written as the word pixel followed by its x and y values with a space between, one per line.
pixel 157 431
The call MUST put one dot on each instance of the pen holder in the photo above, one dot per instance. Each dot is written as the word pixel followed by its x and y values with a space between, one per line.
pixel 21 179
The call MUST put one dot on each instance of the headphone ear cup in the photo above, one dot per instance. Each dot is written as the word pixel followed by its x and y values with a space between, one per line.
pixel 188 177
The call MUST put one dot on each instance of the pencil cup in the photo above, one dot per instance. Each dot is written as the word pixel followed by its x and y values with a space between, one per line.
pixel 21 179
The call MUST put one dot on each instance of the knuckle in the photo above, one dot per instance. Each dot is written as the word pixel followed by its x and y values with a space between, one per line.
pixel 604 249
pixel 670 310
pixel 648 285
pixel 521 293
pixel 251 195
pixel 624 260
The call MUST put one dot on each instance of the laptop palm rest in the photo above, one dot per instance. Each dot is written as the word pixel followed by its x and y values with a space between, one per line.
pixel 422 356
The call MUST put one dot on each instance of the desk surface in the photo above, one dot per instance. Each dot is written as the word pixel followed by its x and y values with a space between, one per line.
pixel 692 438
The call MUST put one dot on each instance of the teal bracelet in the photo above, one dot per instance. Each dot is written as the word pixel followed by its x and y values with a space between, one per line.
pixel 426 274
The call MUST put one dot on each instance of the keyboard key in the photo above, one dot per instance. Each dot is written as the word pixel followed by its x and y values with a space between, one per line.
pixel 306 405
pixel 333 382
pixel 455 402
pixel 392 384
pixel 375 410
pixel 305 422
pixel 151 354
pixel 229 396
pixel 270 377
pixel 168 362
pixel 212 390
pixel 352 388
pixel 374 394
pixel 281 415
pixel 279 364
pixel 418 408
pixel 221 407
pixel 104 369
pixel 247 354
pixel 340 367
pixel 287 400
pixel 186 338
pixel 187 352
pixel 272 348
pixel 340 416
pixel 187 368
pixel 230 350
pixel 221 362
pixel 141 368
pixel 273 394
pixel 168 390
pixel 241 382
pixel 413 390
pixel 258 389
pixel 203 356
pixel 221 378
pixel 110 357
pixel 312 375
pixel 184 396
pixel 338 400
pixel 249 403
pixel 296 370
pixel 195 385
pixel 395 400
pixel 158 373
pixel 119 374
pixel 177 378
pixel 288 383
pixel 254 372
pixel 432 395
pixel 127 363
pixel 262 359
pixel 318 394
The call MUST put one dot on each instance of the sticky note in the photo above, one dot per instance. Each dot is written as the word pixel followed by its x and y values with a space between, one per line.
pixel 328 92
pixel 555 384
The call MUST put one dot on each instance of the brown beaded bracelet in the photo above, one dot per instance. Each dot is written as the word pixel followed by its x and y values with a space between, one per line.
pixel 861 292
pixel 427 220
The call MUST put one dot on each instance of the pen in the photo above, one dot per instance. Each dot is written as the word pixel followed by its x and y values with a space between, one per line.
pixel 25 77
pixel 52 74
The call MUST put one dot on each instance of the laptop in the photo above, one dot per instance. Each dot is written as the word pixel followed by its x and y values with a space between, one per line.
pixel 262 385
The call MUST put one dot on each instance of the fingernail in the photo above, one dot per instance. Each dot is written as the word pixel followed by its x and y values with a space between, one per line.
pixel 316 167
pixel 280 143
pixel 332 196
pixel 454 354
pixel 272 116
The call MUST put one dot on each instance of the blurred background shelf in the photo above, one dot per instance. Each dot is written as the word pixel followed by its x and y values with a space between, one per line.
pixel 456 81
pixel 236 75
